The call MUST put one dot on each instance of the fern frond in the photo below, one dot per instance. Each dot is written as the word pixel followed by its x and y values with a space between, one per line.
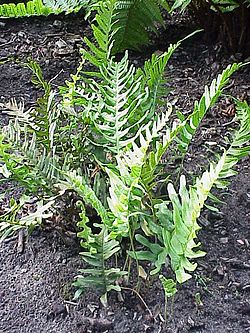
pixel 152 76
pixel 125 191
pixel 42 167
pixel 118 109
pixel 100 277
pixel 9 222
pixel 42 119
pixel 181 242
pixel 79 185
pixel 185 130
pixel 132 19
pixel 153 72
pixel 103 32
pixel 45 114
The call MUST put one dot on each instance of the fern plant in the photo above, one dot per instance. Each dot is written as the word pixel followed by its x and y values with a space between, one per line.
pixel 132 163
pixel 108 127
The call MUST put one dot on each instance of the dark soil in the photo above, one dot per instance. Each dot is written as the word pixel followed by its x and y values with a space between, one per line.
pixel 35 286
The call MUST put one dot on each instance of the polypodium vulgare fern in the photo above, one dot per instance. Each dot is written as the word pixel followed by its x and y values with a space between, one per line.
pixel 113 112
pixel 115 105
pixel 131 169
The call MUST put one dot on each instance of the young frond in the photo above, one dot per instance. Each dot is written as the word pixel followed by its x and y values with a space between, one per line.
pixel 187 128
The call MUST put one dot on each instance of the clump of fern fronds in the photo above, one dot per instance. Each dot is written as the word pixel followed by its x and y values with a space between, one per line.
pixel 105 142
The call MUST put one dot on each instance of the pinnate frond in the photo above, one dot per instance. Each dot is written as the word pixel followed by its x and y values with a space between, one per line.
pixel 100 276
pixel 10 223
pixel 132 20
pixel 125 189
pixel 185 130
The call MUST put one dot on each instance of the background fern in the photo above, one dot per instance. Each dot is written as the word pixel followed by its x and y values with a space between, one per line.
pixel 40 7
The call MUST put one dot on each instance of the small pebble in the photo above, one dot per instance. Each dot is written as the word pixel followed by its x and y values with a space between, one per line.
pixel 59 309
pixel 224 240
pixel 57 24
